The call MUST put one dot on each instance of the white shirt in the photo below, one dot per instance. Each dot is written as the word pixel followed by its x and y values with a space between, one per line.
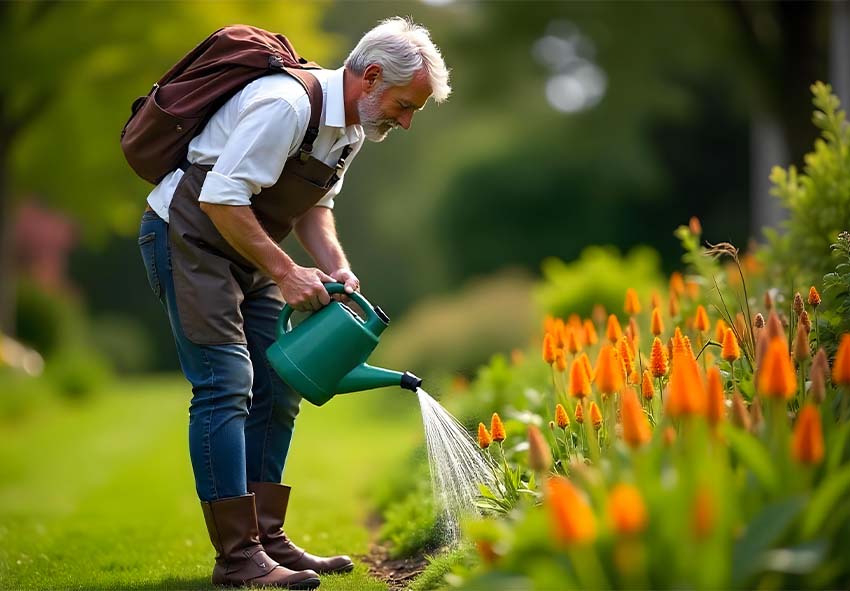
pixel 248 140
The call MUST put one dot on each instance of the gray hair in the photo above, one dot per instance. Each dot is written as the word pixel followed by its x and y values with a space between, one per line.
pixel 402 48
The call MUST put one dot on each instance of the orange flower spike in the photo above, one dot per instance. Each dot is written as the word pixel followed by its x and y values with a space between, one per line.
pixel 807 443
pixel 548 349
pixel 674 305
pixel 656 324
pixel 814 297
pixel 701 322
pixel 497 429
pixel 686 392
pixel 655 300
pixel 579 414
pixel 658 359
pixel 609 372
pixel 573 344
pixel 801 343
pixel 595 416
pixel 703 513
pixel 627 510
pixel 562 419
pixel 572 518
pixel 776 377
pixel 841 365
pixel 590 337
pixel 539 452
pixel 636 429
pixel 692 287
pixel 720 330
pixel 484 439
pixel 716 400
pixel 613 331
pixel 646 388
pixel 588 368
pixel 579 380
pixel 633 332
pixel 548 323
pixel 632 305
pixel 560 360
pixel 730 350
pixel 558 333
pixel 677 283
pixel 626 357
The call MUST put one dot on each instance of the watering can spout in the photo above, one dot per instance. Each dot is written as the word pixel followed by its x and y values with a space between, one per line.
pixel 367 377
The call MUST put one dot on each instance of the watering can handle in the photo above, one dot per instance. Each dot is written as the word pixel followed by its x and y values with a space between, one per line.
pixel 332 288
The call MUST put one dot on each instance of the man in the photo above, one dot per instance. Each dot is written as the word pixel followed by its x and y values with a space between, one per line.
pixel 209 241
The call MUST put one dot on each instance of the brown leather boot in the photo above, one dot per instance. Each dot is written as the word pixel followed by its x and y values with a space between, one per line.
pixel 272 500
pixel 240 559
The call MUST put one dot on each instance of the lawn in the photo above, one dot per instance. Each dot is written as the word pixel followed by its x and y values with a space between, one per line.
pixel 100 495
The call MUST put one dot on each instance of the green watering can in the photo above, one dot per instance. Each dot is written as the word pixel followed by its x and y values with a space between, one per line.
pixel 326 353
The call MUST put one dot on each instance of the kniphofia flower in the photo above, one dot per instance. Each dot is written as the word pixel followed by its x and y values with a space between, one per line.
pixel 776 377
pixel 805 322
pixel 497 429
pixel 801 343
pixel 626 356
pixel 609 373
pixel 656 324
pixel 677 283
pixel 484 439
pixel 658 359
pixel 730 350
pixel 572 343
pixel 674 305
pixel 539 452
pixel 548 349
pixel 774 326
pixel 614 331
pixel 562 419
pixel 579 414
pixel 701 322
pixel 720 330
pixel 558 333
pixel 595 416
pixel 632 305
pixel 627 510
pixel 841 365
pixel 588 368
pixel 807 444
pixel 636 429
pixel 590 337
pixel 655 300
pixel 758 321
pixel 814 297
pixel 716 400
pixel 579 380
pixel 687 393
pixel 572 517
pixel 798 304
pixel 646 388
pixel 560 360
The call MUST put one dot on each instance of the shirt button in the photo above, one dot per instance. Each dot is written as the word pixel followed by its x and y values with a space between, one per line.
pixel 178 128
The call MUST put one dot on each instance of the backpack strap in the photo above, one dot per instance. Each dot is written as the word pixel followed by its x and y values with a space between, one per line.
pixel 313 88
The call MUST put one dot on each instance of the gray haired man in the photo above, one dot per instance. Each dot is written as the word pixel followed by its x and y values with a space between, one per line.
pixel 210 242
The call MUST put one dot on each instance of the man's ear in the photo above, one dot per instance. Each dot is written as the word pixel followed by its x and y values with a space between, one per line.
pixel 371 77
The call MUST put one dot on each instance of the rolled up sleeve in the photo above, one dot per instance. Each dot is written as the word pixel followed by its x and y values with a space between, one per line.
pixel 267 132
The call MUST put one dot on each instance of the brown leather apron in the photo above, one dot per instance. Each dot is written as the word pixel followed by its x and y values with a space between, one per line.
pixel 211 279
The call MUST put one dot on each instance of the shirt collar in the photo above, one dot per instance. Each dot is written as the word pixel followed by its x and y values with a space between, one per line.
pixel 335 110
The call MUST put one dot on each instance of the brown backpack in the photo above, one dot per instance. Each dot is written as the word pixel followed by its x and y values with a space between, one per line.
pixel 157 135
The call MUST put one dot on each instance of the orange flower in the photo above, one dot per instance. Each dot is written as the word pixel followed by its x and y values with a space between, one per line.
pixel 801 343
pixel 579 414
pixel 646 388
pixel 687 394
pixel 609 373
pixel 716 400
pixel 730 350
pixel 807 445
pixel 588 368
pixel 655 300
pixel 703 513
pixel 539 452
pixel 560 360
pixel 674 305
pixel 548 323
pixel 814 297
pixel 720 330
pixel 579 380
pixel 627 510
pixel 632 331
pixel 484 439
pixel 548 349
pixel 636 430
pixel 841 365
pixel 572 342
pixel 656 325
pixel 561 417
pixel 626 355
pixel 632 305
pixel 614 331
pixel 774 326
pixel 776 377
pixel 701 322
pixel 497 429
pixel 590 333
pixel 658 359
pixel 677 283
pixel 798 304
pixel 692 287
pixel 694 226
pixel 572 517
pixel 558 334
pixel 595 416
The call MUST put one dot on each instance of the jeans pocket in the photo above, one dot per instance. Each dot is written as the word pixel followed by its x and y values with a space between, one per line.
pixel 147 245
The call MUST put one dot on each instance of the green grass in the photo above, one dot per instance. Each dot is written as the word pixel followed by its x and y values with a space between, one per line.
pixel 100 495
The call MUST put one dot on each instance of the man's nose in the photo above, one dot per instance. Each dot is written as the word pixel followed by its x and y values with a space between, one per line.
pixel 405 120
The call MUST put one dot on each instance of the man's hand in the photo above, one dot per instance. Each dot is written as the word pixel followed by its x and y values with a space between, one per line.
pixel 303 288
pixel 347 278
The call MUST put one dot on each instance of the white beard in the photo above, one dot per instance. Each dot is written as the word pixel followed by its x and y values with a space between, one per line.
pixel 375 126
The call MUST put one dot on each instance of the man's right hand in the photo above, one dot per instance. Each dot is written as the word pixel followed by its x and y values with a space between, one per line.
pixel 303 288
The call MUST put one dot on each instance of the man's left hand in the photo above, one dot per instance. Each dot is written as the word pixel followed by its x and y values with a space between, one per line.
pixel 347 278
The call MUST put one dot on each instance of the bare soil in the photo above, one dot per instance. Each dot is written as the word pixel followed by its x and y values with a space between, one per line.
pixel 397 573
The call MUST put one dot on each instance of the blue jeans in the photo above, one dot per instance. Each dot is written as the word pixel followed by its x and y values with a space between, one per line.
pixel 242 414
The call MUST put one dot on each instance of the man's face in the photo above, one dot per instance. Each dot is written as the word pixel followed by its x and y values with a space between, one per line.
pixel 386 107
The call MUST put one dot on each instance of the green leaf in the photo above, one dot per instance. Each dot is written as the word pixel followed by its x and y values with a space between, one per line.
pixel 755 456
pixel 829 493
pixel 762 532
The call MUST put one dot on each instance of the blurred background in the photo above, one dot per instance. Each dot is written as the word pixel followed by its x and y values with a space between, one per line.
pixel 571 124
